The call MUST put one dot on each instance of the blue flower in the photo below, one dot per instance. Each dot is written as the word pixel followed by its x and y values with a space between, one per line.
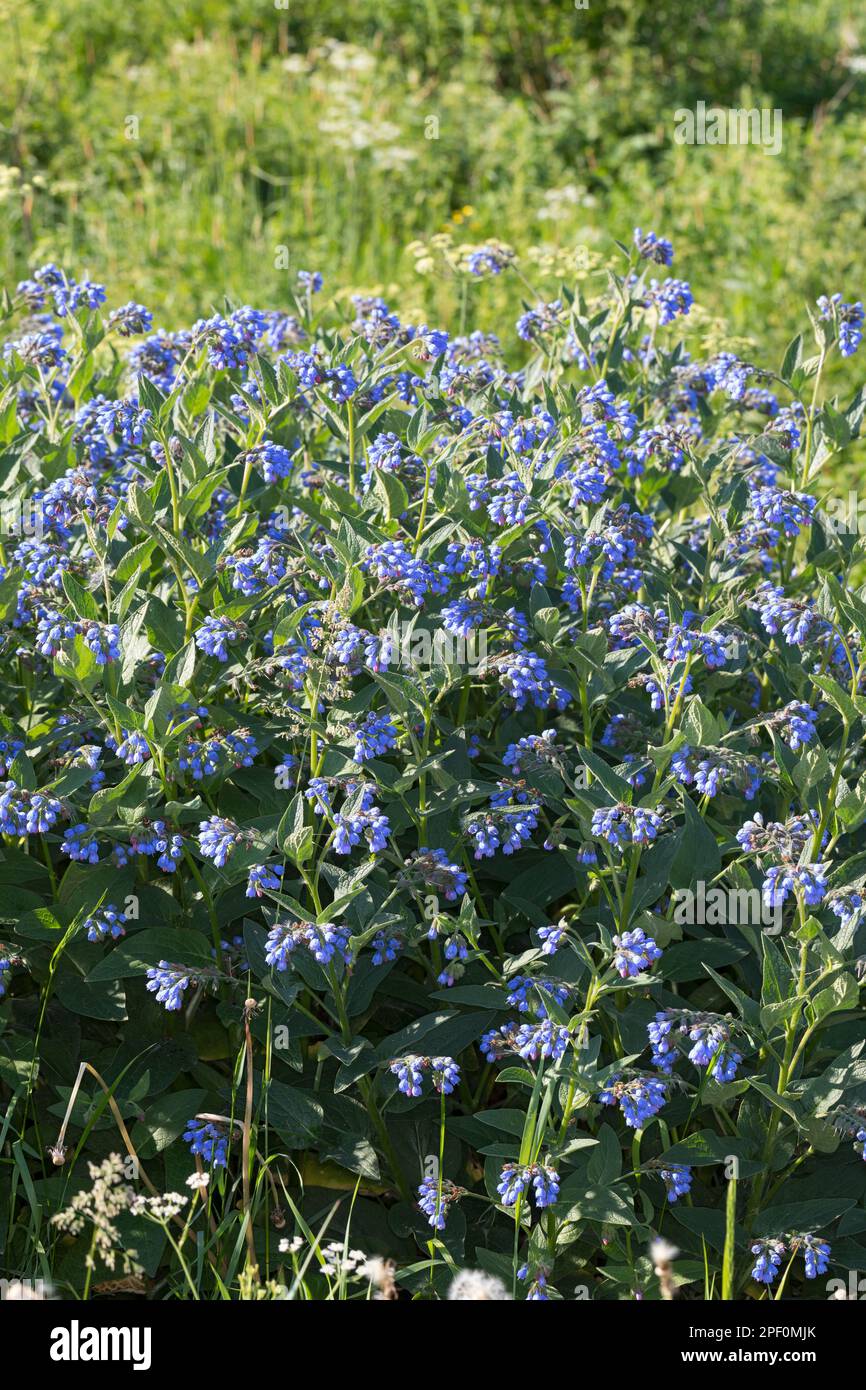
pixel 552 938
pixel 225 345
pixel 546 1040
pixel 504 828
pixel 310 280
pixel 516 1179
pixel 671 298
pixel 808 879
pixel 435 1198
pixel 264 878
pixel 7 960
pixel 847 317
pixel 209 1140
pixel 796 724
pixel 214 635
pixel 410 1071
pixel 634 952
pixel 133 749
pixel 663 1049
pixel 24 812
pixel 130 319
pixel 80 844
pixel 790 511
pixel 218 839
pixel 524 990
pixel 374 737
pixel 168 983
pixel 710 1034
pixel 653 248
pixel 677 1180
pixel 545 1185
pixel 103 640
pixel 385 948
pixel 126 418
pixel 274 460
pixel 639 1098
pixel 107 921
pixel 816 1253
pixel 770 1254
pixel 433 868
pixel 513 1181
pixel 624 825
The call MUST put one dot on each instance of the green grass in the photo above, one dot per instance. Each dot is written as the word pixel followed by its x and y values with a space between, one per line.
pixel 253 132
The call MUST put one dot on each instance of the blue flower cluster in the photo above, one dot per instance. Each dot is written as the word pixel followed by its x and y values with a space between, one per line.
pixel 623 825
pixel 677 1180
pixel 638 1097
pixel 209 1140
pixel 410 1070
pixel 435 1198
pixel 710 1035
pixel 324 941
pixel 106 923
pixel 546 1040
pixel 771 1251
pixel 634 952
pixel 518 1178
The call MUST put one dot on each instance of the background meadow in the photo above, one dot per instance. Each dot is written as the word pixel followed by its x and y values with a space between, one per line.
pixel 181 146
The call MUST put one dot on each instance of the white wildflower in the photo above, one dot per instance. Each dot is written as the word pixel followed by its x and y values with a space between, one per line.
pixel 475 1285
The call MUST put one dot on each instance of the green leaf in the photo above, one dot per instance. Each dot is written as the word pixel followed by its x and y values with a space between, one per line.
pixel 843 993
pixel 792 359
pixel 82 601
pixel 101 1001
pixel 392 492
pixel 602 1206
pixel 137 952
pixel 786 1103
pixel 166 1120
pixel 605 1162
pixel 815 1215
pixel 295 1114
pixel 188 558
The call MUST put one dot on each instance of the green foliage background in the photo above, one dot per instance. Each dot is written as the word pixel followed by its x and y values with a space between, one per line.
pixel 254 132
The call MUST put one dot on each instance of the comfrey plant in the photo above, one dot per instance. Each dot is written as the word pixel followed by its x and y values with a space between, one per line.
pixel 409 932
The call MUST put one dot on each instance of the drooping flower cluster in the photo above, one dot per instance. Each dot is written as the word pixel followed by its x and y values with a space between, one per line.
pixel 677 1180
pixel 324 941
pixel 634 952
pixel 787 841
pixel 546 1040
pixel 209 1140
pixel 771 1251
pixel 106 923
pixel 435 1198
pixel 534 993
pixel 624 825
pixel 541 1178
pixel 638 1097
pixel 710 1034
pixel 410 1072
